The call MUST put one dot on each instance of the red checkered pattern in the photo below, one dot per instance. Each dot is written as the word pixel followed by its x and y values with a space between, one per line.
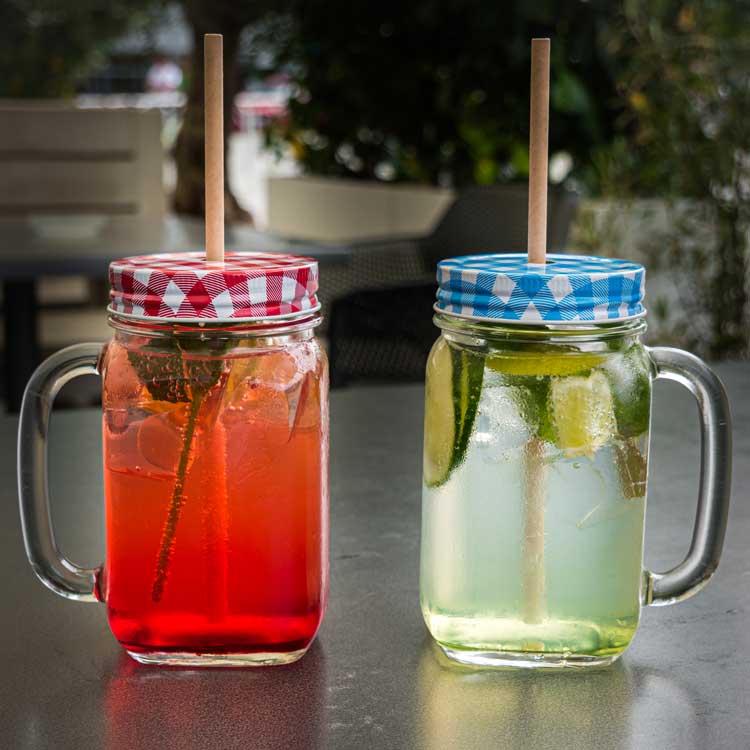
pixel 185 286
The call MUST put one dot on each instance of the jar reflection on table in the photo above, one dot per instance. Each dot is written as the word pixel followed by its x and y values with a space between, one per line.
pixel 175 709
pixel 466 708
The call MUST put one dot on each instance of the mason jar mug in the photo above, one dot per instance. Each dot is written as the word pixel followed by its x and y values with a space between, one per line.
pixel 215 435
pixel 538 401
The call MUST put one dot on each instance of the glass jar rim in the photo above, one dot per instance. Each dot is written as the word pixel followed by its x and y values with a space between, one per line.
pixel 159 327
pixel 580 331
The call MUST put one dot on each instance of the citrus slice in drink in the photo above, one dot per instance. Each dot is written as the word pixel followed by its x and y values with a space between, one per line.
pixel 541 363
pixel 531 373
pixel 454 384
pixel 630 380
pixel 581 411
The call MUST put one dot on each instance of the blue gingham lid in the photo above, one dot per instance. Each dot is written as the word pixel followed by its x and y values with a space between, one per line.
pixel 568 289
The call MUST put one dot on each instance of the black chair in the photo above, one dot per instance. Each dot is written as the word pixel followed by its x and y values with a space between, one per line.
pixel 379 307
pixel 381 334
pixel 494 219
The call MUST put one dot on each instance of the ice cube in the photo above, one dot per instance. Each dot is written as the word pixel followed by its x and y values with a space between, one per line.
pixel 121 384
pixel 141 440
pixel 500 427
pixel 160 440
pixel 307 414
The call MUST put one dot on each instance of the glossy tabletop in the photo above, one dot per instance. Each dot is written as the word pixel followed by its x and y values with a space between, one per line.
pixel 373 679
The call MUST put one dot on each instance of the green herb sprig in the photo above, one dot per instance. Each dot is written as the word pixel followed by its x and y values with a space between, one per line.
pixel 170 376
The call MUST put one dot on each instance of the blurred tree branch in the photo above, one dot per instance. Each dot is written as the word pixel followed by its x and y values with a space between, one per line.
pixel 228 18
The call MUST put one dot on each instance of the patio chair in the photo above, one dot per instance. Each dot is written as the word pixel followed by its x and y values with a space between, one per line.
pixel 58 159
pixel 64 168
pixel 397 278
pixel 381 334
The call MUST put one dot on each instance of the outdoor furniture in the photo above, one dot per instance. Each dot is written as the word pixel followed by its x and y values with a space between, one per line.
pixel 494 219
pixel 66 172
pixel 26 255
pixel 481 220
pixel 60 160
pixel 381 334
pixel 373 679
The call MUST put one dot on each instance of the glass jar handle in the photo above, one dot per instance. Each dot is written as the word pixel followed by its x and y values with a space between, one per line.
pixel 702 559
pixel 51 566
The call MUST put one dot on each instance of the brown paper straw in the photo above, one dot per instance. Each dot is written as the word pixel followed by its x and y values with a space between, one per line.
pixel 535 469
pixel 214 139
pixel 538 146
pixel 532 562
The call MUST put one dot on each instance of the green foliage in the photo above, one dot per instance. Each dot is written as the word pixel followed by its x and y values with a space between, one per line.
pixel 437 92
pixel 47 45
pixel 686 83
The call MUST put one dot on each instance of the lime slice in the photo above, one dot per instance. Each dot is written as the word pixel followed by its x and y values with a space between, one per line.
pixel 582 413
pixel 454 384
pixel 539 364
pixel 630 381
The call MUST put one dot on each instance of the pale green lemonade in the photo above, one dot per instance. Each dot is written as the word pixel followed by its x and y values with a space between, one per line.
pixel 582 416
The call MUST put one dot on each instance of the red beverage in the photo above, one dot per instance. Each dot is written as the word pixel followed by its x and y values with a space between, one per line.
pixel 216 500
pixel 215 401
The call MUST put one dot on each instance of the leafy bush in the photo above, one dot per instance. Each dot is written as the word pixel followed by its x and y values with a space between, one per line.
pixel 438 92
pixel 685 79
pixel 47 45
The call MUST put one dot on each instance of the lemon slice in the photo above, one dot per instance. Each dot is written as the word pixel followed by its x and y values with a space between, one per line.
pixel 582 413
pixel 454 384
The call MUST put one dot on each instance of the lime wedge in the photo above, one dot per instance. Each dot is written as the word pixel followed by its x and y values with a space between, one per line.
pixel 630 380
pixel 454 384
pixel 582 413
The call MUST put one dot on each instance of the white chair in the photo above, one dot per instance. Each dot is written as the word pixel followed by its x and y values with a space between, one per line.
pixel 69 175
pixel 60 160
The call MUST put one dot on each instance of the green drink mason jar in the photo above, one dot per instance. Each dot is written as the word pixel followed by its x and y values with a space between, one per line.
pixel 538 400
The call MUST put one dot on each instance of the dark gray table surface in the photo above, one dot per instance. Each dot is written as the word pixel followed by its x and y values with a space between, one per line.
pixel 25 252
pixel 373 679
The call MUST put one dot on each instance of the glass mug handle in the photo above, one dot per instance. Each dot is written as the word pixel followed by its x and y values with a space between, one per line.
pixel 53 569
pixel 694 572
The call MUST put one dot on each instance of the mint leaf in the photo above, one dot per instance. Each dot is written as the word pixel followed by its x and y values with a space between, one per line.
pixel 170 374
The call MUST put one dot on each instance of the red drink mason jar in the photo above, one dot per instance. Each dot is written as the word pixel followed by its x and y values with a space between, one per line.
pixel 215 425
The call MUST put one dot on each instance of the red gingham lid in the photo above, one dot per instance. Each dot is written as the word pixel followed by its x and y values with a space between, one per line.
pixel 186 287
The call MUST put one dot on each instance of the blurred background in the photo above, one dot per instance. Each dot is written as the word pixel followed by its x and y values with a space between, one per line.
pixel 382 136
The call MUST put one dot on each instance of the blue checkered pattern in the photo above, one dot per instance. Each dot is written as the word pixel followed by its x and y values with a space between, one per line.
pixel 568 289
